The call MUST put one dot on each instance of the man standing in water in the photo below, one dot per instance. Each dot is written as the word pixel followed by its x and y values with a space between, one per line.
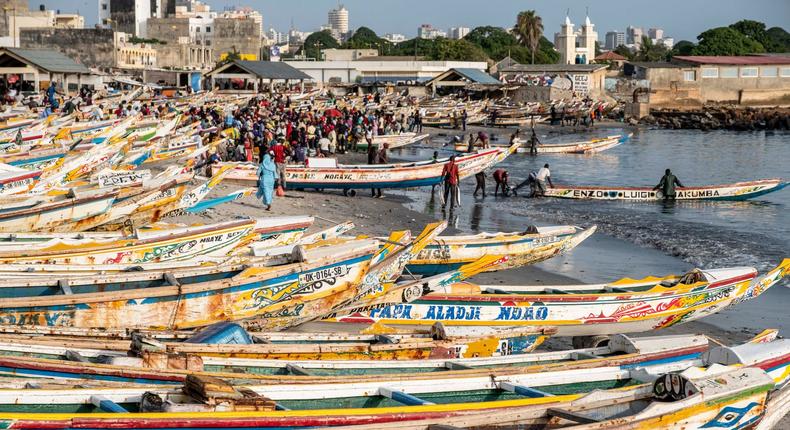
pixel 543 176
pixel 667 185
pixel 533 143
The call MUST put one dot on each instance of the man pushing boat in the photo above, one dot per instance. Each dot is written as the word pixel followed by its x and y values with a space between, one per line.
pixel 667 185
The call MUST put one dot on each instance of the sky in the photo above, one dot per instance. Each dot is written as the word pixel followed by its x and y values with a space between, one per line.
pixel 681 19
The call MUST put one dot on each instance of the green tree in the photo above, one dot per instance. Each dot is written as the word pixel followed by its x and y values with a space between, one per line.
pixel 754 30
pixel 230 57
pixel 649 51
pixel 684 47
pixel 365 38
pixel 529 30
pixel 456 50
pixel 780 39
pixel 495 41
pixel 726 41
pixel 317 42
pixel 624 51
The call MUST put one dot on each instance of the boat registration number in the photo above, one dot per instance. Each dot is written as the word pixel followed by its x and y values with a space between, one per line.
pixel 320 275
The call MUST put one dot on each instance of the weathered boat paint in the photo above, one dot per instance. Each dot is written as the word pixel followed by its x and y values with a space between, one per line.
pixel 451 252
pixel 179 244
pixel 579 314
pixel 736 191
pixel 695 399
pixel 265 293
pixel 405 175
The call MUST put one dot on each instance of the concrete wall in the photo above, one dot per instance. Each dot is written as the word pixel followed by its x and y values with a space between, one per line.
pixel 89 46
pixel 526 94
pixel 669 87
pixel 184 56
pixel 168 29
pixel 242 35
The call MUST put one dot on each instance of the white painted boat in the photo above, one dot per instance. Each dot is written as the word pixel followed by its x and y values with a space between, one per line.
pixel 403 175
pixel 736 191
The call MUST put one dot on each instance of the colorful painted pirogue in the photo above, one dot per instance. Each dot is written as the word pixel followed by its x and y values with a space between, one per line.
pixel 586 147
pixel 736 191
pixel 324 355
pixel 624 306
pixel 394 141
pixel 733 387
pixel 279 296
pixel 179 244
pixel 450 252
pixel 405 175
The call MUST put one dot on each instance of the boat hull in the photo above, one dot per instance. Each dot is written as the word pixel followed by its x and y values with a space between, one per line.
pixel 736 191
pixel 406 175
pixel 575 314
pixel 449 253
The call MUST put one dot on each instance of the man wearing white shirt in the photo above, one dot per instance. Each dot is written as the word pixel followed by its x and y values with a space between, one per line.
pixel 543 176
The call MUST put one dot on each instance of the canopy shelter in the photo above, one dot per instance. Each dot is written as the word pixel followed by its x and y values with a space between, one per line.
pixel 464 78
pixel 34 69
pixel 251 75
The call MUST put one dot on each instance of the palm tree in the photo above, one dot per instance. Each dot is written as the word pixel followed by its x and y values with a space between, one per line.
pixel 529 29
pixel 231 56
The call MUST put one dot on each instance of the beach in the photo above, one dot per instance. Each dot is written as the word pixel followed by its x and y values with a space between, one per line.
pixel 379 217
pixel 607 256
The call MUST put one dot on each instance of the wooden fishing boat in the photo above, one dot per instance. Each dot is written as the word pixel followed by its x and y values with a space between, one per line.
pixel 15 180
pixel 625 306
pixel 503 352
pixel 405 175
pixel 43 216
pixel 213 294
pixel 33 159
pixel 541 243
pixel 278 296
pixel 394 141
pixel 650 397
pixel 186 243
pixel 586 147
pixel 736 191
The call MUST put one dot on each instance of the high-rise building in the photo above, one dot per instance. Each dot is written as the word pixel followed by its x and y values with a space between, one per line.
pixel 614 39
pixel 576 47
pixel 128 16
pixel 427 31
pixel 655 33
pixel 633 35
pixel 458 32
pixel 338 22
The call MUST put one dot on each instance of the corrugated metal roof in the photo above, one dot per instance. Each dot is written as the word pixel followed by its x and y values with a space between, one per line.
pixel 477 76
pixel 751 60
pixel 49 60
pixel 272 70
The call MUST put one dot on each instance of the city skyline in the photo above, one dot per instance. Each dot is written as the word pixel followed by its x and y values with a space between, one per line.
pixel 614 15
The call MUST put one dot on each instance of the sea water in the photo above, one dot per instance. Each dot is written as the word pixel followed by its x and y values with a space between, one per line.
pixel 640 239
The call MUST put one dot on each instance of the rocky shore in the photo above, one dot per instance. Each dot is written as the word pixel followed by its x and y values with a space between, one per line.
pixel 721 117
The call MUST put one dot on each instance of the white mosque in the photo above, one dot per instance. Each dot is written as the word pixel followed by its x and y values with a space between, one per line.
pixel 576 47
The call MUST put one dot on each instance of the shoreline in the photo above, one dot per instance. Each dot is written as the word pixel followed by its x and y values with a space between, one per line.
pixel 379 217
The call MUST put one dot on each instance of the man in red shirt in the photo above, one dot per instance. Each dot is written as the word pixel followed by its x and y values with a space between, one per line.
pixel 280 154
pixel 451 177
